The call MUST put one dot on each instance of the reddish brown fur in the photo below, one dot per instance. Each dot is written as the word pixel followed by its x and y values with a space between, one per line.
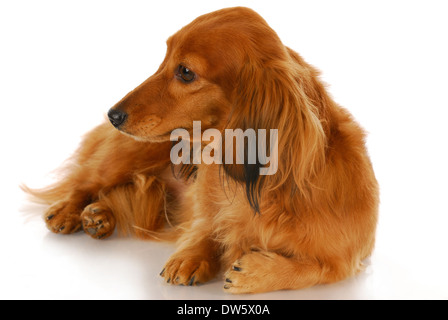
pixel 318 213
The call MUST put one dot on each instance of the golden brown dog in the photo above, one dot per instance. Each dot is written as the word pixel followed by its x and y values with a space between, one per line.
pixel 311 222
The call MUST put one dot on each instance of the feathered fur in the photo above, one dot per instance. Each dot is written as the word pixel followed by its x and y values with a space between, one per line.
pixel 311 222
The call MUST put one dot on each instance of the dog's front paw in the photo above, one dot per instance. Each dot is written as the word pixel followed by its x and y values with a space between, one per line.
pixel 98 221
pixel 188 270
pixel 62 217
pixel 253 273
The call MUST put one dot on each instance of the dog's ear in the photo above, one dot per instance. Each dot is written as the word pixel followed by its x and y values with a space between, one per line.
pixel 249 114
pixel 273 96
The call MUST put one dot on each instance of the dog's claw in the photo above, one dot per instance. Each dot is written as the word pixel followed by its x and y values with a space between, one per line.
pixel 235 268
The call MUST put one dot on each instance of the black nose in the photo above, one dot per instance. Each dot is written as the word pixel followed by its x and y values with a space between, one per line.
pixel 117 117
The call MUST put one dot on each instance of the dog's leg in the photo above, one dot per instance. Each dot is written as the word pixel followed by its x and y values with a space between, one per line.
pixel 262 271
pixel 197 257
pixel 139 208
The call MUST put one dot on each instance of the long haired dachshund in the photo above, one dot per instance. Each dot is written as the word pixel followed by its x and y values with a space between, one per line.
pixel 311 222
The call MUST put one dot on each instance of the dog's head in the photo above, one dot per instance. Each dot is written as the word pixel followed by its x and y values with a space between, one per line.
pixel 228 69
pixel 199 77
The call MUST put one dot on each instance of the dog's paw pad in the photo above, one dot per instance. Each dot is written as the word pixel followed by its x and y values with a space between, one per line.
pixel 98 221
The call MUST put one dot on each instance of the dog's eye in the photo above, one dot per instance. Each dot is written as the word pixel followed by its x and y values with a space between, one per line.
pixel 184 74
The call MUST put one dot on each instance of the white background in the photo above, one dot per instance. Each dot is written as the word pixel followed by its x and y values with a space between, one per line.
pixel 63 64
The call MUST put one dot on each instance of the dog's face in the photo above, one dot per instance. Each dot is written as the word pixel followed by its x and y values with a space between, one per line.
pixel 197 79
pixel 183 90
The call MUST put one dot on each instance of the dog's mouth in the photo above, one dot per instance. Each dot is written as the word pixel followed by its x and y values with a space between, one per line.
pixel 154 137
pixel 151 138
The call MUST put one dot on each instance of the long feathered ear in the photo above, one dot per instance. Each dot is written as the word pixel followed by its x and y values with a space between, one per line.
pixel 274 95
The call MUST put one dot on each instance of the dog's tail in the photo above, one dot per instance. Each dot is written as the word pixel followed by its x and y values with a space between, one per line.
pixel 47 195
